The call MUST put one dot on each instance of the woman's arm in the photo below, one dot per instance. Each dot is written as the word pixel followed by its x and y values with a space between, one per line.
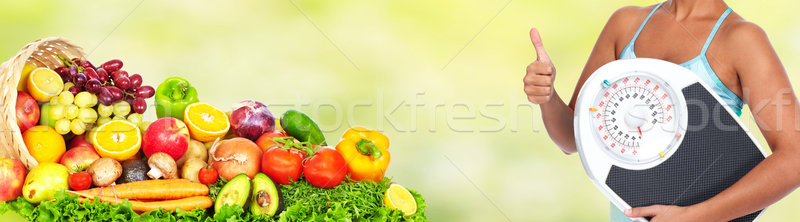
pixel 539 77
pixel 767 90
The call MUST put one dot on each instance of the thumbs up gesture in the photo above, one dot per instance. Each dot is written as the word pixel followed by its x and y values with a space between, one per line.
pixel 540 74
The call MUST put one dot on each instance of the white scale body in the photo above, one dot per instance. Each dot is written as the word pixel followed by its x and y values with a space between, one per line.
pixel 632 117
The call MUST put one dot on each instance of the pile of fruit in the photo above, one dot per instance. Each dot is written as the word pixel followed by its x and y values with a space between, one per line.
pixel 84 126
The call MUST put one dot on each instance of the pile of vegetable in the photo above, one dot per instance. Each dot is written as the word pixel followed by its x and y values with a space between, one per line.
pixel 355 201
pixel 196 162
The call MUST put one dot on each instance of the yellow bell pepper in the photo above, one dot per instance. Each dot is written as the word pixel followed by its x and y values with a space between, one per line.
pixel 366 152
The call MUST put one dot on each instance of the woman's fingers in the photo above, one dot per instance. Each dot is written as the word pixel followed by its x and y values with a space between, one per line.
pixel 538 80
pixel 540 68
pixel 539 99
pixel 541 54
pixel 538 90
pixel 648 211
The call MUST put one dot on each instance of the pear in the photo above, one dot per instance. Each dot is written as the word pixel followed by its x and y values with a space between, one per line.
pixel 44 181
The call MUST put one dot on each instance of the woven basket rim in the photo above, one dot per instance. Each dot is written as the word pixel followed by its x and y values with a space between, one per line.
pixel 39 52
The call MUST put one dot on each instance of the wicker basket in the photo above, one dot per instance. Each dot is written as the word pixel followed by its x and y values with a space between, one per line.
pixel 40 53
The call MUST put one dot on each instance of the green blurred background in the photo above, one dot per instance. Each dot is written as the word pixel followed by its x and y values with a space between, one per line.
pixel 441 78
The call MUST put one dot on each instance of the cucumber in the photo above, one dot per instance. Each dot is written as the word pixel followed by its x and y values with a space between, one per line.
pixel 298 125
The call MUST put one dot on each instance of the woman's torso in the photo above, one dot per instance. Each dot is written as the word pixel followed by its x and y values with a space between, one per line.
pixel 659 35
pixel 682 41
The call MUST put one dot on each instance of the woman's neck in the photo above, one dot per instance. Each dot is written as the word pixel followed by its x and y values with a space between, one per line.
pixel 685 9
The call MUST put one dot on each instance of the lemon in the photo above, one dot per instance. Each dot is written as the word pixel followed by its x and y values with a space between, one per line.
pixel 397 197
pixel 44 84
pixel 23 78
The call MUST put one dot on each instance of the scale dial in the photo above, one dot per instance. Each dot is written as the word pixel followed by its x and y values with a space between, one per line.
pixel 636 119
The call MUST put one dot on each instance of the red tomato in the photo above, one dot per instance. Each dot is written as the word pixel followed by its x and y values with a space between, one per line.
pixel 207 175
pixel 282 165
pixel 326 168
pixel 265 140
pixel 80 181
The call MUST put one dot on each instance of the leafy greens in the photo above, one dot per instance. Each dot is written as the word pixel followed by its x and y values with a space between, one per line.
pixel 351 201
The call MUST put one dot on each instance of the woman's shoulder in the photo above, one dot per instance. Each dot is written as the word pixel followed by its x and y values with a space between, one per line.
pixel 631 14
pixel 739 39
pixel 622 24
pixel 628 17
pixel 738 29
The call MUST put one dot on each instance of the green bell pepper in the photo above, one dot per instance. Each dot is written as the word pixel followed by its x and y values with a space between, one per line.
pixel 172 97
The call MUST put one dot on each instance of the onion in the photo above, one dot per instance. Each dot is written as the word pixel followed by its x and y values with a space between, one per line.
pixel 251 119
pixel 235 156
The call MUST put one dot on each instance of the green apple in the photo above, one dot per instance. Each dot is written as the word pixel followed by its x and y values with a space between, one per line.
pixel 44 181
pixel 44 116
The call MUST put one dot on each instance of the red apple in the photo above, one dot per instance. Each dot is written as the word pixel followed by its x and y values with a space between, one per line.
pixel 167 135
pixel 79 141
pixel 251 119
pixel 12 176
pixel 79 158
pixel 27 111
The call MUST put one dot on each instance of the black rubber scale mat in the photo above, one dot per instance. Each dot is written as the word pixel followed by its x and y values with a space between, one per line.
pixel 713 155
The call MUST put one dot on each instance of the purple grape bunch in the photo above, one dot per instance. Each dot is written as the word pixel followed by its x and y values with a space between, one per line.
pixel 109 82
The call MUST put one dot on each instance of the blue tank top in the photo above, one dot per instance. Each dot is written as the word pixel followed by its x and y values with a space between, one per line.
pixel 699 65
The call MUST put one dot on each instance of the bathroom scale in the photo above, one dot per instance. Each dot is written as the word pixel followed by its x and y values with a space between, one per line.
pixel 650 132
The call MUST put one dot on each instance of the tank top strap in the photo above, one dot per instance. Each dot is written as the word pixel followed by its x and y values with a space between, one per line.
pixel 645 21
pixel 714 30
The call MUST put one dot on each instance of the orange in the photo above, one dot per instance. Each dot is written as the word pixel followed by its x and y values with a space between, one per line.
pixel 44 84
pixel 117 139
pixel 44 144
pixel 397 197
pixel 206 123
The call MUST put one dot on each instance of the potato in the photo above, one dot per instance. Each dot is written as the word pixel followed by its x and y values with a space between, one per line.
pixel 191 168
pixel 196 150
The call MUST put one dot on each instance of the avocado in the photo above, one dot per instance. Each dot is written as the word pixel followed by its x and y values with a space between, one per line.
pixel 133 170
pixel 235 192
pixel 266 198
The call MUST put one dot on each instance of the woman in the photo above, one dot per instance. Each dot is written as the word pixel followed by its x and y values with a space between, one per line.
pixel 731 55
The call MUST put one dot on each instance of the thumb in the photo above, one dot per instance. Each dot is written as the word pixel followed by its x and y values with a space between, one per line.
pixel 541 54
pixel 649 211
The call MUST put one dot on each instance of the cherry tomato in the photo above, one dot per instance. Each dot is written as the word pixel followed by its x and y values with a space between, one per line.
pixel 208 175
pixel 282 165
pixel 326 168
pixel 80 181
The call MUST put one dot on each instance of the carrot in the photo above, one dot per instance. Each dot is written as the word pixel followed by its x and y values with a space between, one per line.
pixel 150 190
pixel 189 203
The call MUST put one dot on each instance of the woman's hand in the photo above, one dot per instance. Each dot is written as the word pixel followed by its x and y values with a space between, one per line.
pixel 540 74
pixel 662 213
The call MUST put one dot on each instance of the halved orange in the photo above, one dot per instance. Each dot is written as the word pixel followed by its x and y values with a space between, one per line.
pixel 397 197
pixel 44 84
pixel 206 123
pixel 117 139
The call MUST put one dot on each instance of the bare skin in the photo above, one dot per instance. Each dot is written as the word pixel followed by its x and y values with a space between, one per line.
pixel 743 59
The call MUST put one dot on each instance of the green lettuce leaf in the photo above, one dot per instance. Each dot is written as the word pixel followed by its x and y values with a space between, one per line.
pixel 350 201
